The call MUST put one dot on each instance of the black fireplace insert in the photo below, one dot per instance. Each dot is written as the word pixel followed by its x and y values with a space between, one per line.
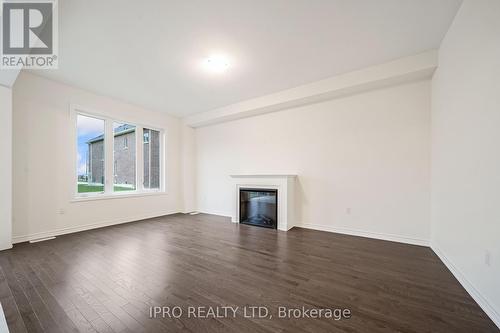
pixel 259 207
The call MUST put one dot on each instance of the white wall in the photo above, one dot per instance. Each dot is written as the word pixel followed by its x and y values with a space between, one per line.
pixel 466 151
pixel 188 151
pixel 43 163
pixel 8 77
pixel 368 153
pixel 5 168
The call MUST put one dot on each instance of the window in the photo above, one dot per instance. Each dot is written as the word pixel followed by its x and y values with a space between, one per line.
pixel 124 158
pixel 113 160
pixel 90 155
pixel 151 152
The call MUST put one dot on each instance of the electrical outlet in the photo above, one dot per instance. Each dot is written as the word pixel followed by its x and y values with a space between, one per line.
pixel 348 211
pixel 487 258
pixel 62 211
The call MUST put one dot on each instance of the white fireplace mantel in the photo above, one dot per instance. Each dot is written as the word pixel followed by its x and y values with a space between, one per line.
pixel 284 183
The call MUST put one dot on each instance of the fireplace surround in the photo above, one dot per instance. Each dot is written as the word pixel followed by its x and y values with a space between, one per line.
pixel 283 184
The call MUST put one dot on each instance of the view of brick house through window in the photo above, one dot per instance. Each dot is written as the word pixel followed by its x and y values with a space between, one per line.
pixel 91 156
pixel 124 157
pixel 151 145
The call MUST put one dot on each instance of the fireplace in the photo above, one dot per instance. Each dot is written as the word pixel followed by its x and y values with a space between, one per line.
pixel 259 207
pixel 282 186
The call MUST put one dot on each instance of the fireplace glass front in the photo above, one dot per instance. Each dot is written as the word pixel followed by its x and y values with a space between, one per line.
pixel 259 207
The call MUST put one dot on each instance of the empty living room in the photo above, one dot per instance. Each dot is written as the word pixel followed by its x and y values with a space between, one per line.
pixel 250 166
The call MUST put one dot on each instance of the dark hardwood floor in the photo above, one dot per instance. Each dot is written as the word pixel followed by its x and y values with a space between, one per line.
pixel 107 279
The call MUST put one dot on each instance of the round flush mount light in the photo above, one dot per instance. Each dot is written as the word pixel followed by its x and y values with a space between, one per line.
pixel 216 63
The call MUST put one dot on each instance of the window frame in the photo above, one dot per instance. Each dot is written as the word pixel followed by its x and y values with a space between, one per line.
pixel 109 153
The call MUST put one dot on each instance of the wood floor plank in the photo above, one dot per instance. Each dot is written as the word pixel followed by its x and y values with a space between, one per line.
pixel 28 315
pixel 53 308
pixel 106 280
pixel 11 312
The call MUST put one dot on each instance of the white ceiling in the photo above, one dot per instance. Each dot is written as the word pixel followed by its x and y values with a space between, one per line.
pixel 148 52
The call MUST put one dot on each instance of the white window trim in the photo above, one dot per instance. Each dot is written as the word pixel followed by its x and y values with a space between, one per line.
pixel 108 192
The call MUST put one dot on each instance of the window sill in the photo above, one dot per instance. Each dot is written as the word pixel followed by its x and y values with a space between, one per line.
pixel 93 197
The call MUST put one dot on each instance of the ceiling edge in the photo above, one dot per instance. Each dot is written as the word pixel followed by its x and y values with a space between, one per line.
pixel 407 69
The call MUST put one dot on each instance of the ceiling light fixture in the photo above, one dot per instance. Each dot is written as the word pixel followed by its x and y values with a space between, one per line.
pixel 216 63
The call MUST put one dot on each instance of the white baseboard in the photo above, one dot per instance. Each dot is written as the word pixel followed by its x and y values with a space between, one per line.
pixel 69 230
pixel 469 287
pixel 368 234
pixel 215 213
pixel 5 247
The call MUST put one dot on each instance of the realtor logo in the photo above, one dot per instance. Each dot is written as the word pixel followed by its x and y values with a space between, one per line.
pixel 29 34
